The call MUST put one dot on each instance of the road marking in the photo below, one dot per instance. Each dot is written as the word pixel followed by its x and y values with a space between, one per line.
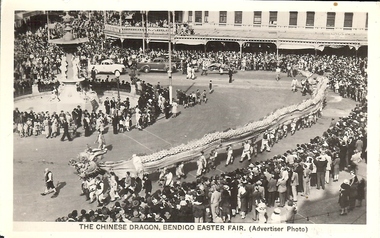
pixel 220 170
pixel 192 175
pixel 137 142
pixel 157 136
pixel 305 218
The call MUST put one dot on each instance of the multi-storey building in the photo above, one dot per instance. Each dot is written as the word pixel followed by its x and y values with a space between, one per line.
pixel 286 30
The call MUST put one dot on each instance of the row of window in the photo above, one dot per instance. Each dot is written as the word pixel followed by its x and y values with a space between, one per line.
pixel 293 16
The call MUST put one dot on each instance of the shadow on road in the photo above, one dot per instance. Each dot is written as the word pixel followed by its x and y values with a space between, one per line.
pixel 59 186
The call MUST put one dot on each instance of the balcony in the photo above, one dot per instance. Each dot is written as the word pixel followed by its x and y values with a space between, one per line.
pixel 210 31
pixel 137 32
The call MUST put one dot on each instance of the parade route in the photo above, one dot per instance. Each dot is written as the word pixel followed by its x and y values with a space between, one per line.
pixel 249 98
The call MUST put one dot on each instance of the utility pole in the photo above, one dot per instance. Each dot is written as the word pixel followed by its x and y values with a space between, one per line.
pixel 48 24
pixel 170 62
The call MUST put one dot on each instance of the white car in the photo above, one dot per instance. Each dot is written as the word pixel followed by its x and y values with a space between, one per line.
pixel 109 66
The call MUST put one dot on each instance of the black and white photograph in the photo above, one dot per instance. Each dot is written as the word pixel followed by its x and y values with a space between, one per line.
pixel 250 119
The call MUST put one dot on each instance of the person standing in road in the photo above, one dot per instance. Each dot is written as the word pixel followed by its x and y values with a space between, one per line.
pixel 100 140
pixel 230 158
pixel 49 183
pixel 210 87
pixel 199 167
pixel 65 126
pixel 107 105
pixel 246 151
pixel 230 73
pixel 278 71
pixel 344 193
pixel 320 163
pixel 179 171
pixel 294 85
pixel 174 108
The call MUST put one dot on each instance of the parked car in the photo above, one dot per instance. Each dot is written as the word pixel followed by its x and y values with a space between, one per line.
pixel 108 66
pixel 157 64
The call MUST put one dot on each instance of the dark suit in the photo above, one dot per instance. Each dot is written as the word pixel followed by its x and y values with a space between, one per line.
pixel 65 131
pixel 107 106
pixel 230 73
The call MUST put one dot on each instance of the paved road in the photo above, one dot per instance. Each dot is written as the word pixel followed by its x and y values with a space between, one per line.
pixel 251 96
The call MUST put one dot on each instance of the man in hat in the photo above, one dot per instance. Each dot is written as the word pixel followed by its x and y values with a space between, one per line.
pixel 276 216
pixel 49 184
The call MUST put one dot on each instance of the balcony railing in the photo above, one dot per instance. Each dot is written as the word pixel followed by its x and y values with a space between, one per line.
pixel 137 30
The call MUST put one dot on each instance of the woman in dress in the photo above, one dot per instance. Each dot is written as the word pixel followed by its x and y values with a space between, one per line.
pixel 344 193
pixel 54 128
pixel 47 127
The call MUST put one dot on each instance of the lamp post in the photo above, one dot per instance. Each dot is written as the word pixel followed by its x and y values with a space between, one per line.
pixel 117 74
pixel 144 28
pixel 170 62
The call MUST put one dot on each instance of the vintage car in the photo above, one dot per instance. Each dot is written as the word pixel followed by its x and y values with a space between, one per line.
pixel 108 66
pixel 157 64
pixel 218 68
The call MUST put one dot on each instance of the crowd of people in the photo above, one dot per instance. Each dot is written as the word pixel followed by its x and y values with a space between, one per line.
pixel 278 183
pixel 51 124
pixel 37 61
pixel 215 199
pixel 127 19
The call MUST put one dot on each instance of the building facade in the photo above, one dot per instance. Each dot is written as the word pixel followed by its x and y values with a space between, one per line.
pixel 285 29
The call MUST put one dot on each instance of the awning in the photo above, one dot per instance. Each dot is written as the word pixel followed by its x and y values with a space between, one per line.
pixel 190 42
pixel 296 46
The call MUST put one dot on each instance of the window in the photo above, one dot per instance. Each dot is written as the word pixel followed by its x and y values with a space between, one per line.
pixel 190 18
pixel 238 17
pixel 310 18
pixel 293 18
pixel 198 16
pixel 330 23
pixel 348 19
pixel 273 18
pixel 257 18
pixel 206 16
pixel 223 17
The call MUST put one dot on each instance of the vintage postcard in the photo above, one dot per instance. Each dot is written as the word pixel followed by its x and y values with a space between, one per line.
pixel 249 118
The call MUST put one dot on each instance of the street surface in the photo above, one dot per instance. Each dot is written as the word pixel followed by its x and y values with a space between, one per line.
pixel 251 96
